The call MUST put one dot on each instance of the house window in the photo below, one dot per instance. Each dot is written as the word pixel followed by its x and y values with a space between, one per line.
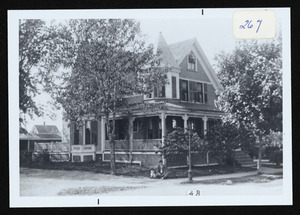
pixel 174 93
pixel 94 131
pixel 191 62
pixel 196 93
pixel 76 134
pixel 160 91
pixel 184 90
pixel 136 125
pixel 91 132
pixel 148 95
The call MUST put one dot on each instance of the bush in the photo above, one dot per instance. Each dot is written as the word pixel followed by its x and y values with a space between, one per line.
pixel 42 157
pixel 276 157
pixel 25 157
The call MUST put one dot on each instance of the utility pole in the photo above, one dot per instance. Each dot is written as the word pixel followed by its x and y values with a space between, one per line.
pixel 190 159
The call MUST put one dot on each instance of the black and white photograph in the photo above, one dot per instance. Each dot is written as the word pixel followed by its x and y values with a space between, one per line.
pixel 144 107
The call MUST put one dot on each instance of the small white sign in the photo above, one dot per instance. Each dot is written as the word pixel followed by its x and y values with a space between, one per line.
pixel 258 24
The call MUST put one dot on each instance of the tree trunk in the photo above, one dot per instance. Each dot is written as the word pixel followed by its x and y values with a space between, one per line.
pixel 111 137
pixel 259 154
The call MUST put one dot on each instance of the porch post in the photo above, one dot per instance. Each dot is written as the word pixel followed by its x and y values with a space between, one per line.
pixel 205 132
pixel 99 134
pixel 28 145
pixel 163 131
pixel 185 121
pixel 130 130
pixel 102 136
pixel 204 124
pixel 83 133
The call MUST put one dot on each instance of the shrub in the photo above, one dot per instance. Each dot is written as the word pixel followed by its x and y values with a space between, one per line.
pixel 276 157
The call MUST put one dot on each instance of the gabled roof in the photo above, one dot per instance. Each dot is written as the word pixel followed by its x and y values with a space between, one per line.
pixel 46 132
pixel 180 49
pixel 49 136
pixel 167 58
pixel 46 129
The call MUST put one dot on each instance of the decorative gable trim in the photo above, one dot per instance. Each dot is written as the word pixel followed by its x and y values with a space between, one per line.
pixel 207 67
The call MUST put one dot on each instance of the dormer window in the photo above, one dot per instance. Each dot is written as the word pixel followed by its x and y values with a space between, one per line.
pixel 191 62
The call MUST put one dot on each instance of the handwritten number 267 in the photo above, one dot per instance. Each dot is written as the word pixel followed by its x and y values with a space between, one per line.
pixel 248 24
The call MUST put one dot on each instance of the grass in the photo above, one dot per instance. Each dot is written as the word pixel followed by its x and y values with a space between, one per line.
pixel 94 190
pixel 134 170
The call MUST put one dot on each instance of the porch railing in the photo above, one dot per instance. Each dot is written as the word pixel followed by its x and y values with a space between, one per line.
pixel 83 148
pixel 138 145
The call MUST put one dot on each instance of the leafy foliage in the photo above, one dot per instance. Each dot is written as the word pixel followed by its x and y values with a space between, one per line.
pixel 30 52
pixel 224 139
pixel 40 47
pixel 111 62
pixel 252 81
pixel 89 66
pixel 177 143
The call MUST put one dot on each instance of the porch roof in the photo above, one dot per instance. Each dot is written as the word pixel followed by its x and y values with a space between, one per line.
pixel 172 105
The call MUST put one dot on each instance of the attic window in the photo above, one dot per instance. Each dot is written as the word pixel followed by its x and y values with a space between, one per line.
pixel 191 62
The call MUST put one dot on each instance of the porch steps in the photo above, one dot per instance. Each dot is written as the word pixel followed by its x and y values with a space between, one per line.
pixel 244 159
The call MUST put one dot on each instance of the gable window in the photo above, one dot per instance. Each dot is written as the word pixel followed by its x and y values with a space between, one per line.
pixel 191 62
pixel 184 90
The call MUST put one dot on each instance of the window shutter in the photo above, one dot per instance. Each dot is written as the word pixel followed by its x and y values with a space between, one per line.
pixel 205 93
pixel 174 94
pixel 72 128
pixel 155 92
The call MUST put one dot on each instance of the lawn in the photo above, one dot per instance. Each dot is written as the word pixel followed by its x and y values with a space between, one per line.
pixel 136 170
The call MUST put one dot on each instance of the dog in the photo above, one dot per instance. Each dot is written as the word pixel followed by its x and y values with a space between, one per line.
pixel 152 173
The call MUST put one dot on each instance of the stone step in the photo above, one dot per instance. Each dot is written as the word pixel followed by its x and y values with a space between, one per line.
pixel 244 159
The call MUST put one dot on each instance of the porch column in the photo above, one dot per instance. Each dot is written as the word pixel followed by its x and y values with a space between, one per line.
pixel 83 133
pixel 204 124
pixel 185 121
pixel 130 130
pixel 99 135
pixel 102 134
pixel 163 131
pixel 28 145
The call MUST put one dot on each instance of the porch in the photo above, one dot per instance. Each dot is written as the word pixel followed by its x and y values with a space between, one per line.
pixel 138 138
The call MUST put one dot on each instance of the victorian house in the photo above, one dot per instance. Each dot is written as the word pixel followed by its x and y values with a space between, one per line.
pixel 187 100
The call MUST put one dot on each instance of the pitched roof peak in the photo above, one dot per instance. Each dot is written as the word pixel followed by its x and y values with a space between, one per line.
pixel 180 49
pixel 166 54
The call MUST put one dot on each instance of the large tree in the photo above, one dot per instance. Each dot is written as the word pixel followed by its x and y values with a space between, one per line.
pixel 31 35
pixel 111 62
pixel 40 47
pixel 252 79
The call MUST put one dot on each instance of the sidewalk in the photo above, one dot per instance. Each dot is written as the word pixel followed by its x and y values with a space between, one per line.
pixel 265 170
